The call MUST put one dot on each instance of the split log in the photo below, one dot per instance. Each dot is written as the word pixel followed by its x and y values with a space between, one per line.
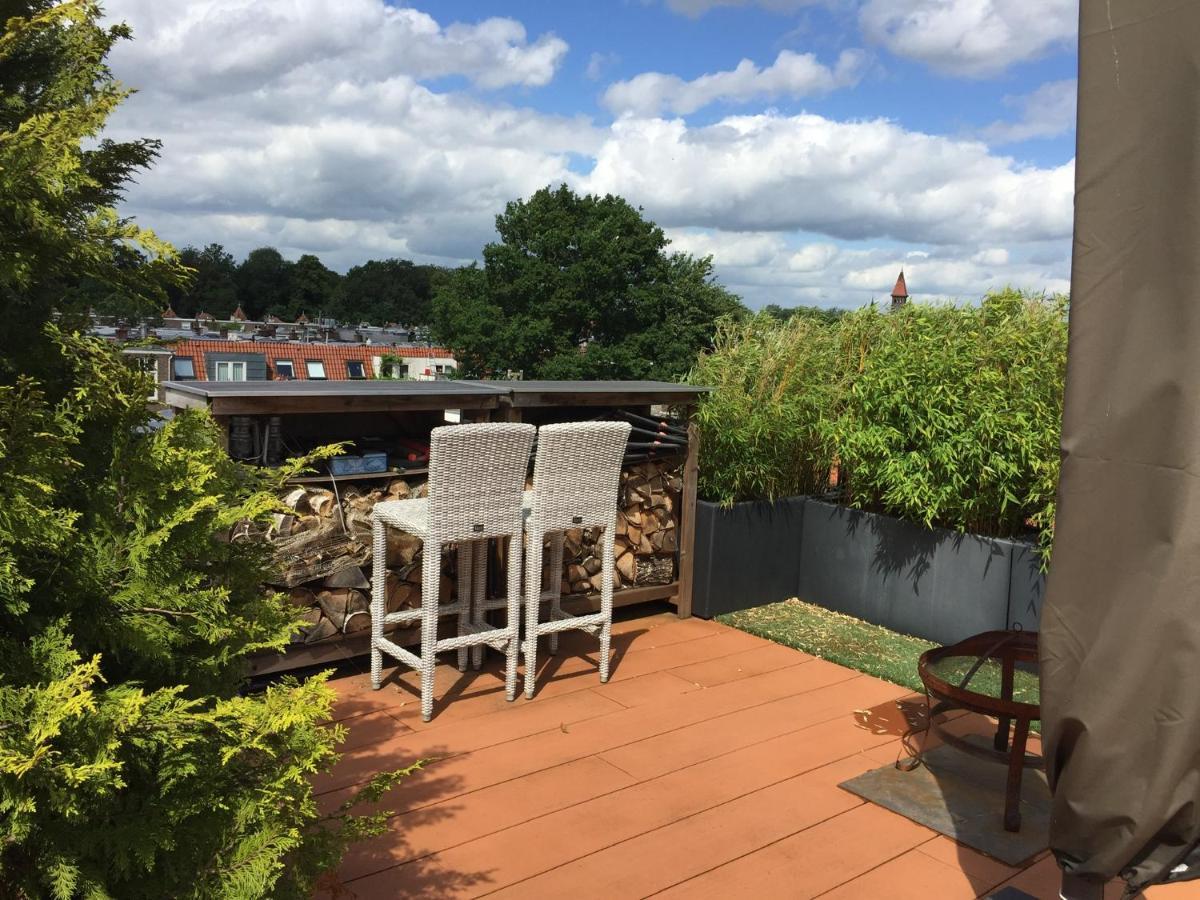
pixel 655 570
pixel 349 577
pixel 401 594
pixel 294 498
pixel 402 548
pixel 302 597
pixel 320 630
pixel 340 604
pixel 627 566
pixel 321 501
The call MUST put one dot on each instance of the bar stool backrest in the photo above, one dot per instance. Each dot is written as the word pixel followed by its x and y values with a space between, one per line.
pixel 476 475
pixel 577 473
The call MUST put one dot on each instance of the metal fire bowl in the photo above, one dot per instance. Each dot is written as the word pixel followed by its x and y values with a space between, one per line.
pixel 1009 648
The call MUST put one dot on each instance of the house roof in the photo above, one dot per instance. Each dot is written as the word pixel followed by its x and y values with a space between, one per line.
pixel 169 313
pixel 901 289
pixel 333 356
pixel 238 314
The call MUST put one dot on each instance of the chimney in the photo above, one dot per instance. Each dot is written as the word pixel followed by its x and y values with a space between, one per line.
pixel 899 292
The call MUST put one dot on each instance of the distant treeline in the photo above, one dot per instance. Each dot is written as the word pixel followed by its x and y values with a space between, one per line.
pixel 379 291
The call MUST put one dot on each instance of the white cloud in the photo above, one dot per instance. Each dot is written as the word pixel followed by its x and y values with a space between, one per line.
pixel 697 8
pixel 203 47
pixel 328 150
pixel 791 75
pixel 764 267
pixel 850 180
pixel 812 257
pixel 975 38
pixel 1047 112
pixel 598 63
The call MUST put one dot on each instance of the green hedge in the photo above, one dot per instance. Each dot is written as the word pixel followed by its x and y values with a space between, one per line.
pixel 946 415
pixel 765 427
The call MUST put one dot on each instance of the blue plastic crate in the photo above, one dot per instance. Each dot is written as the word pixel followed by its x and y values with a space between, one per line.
pixel 366 464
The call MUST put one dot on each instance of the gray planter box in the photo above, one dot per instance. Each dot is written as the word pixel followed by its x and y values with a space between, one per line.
pixel 1026 588
pixel 932 583
pixel 746 555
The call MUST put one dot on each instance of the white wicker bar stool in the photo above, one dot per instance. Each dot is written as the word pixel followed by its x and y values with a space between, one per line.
pixel 576 476
pixel 476 476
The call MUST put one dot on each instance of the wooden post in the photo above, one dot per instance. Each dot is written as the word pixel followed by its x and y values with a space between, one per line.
pixel 507 412
pixel 687 537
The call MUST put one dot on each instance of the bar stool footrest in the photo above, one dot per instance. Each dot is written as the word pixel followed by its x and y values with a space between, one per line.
pixel 395 650
pixel 477 634
pixel 564 621
pixel 412 616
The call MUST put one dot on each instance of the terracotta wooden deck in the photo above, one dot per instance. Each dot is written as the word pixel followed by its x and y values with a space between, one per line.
pixel 707 767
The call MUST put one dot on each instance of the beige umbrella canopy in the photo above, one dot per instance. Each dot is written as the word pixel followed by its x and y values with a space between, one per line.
pixel 1120 634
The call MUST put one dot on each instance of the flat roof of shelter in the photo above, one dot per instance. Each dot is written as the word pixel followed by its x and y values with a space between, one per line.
pixel 268 397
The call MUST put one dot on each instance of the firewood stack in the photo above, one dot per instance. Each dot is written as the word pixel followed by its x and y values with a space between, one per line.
pixel 647 533
pixel 323 548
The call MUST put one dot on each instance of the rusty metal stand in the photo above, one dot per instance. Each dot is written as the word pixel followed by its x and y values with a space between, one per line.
pixel 1009 648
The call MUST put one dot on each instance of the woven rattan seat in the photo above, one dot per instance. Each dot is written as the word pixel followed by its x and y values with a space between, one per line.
pixel 576 476
pixel 476 477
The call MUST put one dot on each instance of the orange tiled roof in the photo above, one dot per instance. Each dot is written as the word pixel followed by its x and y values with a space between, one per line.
pixel 901 289
pixel 334 356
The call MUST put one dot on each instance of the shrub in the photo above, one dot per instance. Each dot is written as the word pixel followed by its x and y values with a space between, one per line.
pixel 947 415
pixel 764 427
pixel 130 581
pixel 130 595
pixel 952 417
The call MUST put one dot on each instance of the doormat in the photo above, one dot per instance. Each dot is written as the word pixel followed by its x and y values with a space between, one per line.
pixel 962 797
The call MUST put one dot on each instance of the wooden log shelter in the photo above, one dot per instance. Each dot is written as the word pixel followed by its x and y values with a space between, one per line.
pixel 322 538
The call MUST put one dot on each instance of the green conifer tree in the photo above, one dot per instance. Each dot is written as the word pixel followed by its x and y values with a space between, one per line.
pixel 130 570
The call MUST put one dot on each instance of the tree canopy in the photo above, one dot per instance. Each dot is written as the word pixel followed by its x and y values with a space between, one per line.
pixel 579 287
pixel 387 291
pixel 131 765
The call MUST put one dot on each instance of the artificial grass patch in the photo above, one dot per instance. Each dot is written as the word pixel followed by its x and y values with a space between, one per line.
pixel 867 648
pixel 836 637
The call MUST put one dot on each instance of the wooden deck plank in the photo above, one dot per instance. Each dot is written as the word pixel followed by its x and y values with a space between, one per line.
pixel 812 861
pixel 753 661
pixel 555 745
pixel 716 736
pixel 464 695
pixel 480 733
pixel 428 830
pixel 680 850
pixel 707 767
pixel 912 876
pixel 541 844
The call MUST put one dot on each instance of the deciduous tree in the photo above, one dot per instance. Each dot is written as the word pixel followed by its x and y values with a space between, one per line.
pixel 580 287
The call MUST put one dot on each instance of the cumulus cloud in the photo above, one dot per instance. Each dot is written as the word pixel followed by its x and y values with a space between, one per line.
pixel 204 46
pixel 696 8
pixel 766 267
pixel 850 180
pixel 1047 112
pixel 791 75
pixel 975 38
pixel 321 163
pixel 335 150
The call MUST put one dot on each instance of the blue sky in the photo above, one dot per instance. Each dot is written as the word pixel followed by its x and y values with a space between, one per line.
pixel 812 148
